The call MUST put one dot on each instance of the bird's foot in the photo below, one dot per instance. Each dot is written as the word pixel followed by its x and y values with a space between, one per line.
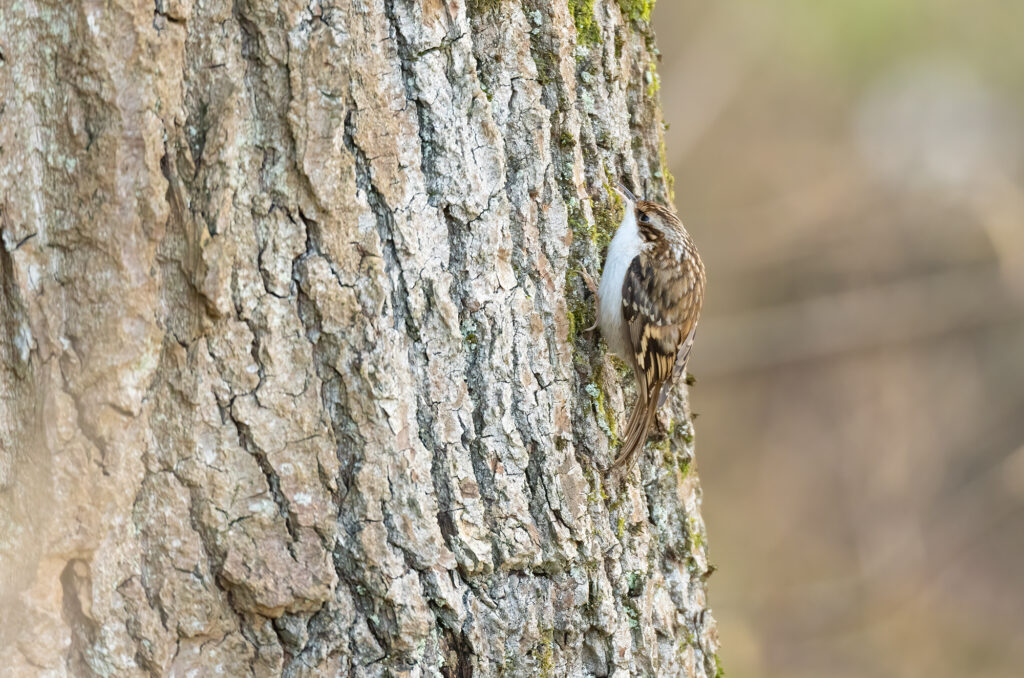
pixel 591 285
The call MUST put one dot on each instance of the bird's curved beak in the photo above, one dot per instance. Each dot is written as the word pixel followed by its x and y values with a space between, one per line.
pixel 625 192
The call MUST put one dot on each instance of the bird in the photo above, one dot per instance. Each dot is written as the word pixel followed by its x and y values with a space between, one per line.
pixel 649 303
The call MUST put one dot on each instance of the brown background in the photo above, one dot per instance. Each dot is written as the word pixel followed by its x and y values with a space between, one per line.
pixel 851 172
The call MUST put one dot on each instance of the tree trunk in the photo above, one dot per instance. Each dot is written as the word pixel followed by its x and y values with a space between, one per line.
pixel 292 371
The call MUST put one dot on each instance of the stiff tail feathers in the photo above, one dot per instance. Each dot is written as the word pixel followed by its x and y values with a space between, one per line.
pixel 637 428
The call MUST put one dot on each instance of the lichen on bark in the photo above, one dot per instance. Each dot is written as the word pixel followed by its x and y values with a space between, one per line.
pixel 292 380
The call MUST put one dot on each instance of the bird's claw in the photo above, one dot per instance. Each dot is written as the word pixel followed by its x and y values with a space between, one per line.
pixel 591 285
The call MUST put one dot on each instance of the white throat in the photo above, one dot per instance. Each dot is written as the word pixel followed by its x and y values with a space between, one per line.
pixel 621 252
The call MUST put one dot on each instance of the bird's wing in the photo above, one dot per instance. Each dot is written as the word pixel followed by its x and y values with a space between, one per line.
pixel 661 299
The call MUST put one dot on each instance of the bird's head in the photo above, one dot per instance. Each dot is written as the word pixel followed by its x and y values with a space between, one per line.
pixel 654 220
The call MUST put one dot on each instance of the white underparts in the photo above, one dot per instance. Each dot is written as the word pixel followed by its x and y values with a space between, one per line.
pixel 621 252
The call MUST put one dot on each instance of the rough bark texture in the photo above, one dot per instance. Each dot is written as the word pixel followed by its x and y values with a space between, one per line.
pixel 291 376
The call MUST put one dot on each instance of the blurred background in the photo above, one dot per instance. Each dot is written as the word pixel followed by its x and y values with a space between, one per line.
pixel 852 173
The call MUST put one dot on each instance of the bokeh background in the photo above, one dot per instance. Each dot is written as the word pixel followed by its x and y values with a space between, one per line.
pixel 852 171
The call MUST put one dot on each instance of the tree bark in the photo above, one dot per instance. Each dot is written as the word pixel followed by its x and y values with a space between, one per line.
pixel 292 371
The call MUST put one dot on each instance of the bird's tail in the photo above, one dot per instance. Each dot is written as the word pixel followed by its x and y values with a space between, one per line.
pixel 637 427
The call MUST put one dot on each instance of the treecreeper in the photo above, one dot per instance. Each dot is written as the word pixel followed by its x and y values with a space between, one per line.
pixel 649 302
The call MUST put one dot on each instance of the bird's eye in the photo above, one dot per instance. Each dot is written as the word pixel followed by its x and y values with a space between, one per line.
pixel 645 218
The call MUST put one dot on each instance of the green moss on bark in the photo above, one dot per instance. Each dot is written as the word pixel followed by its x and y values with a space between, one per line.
pixel 637 10
pixel 587 30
